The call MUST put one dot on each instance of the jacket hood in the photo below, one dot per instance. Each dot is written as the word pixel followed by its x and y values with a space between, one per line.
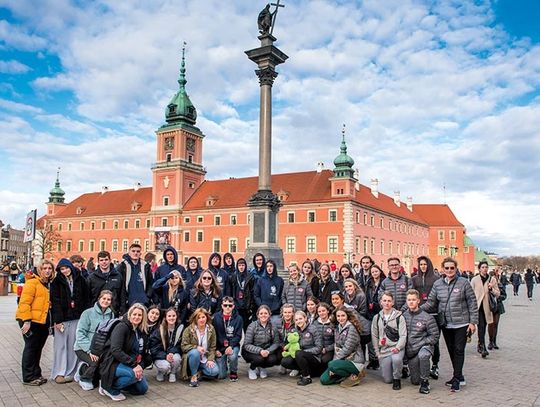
pixel 198 263
pixel 210 261
pixel 274 274
pixel 243 261
pixel 173 250
pixel 430 270
pixel 66 263
pixel 230 268
pixel 259 271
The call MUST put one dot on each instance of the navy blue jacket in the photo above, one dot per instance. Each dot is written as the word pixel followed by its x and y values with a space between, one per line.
pixel 233 334
pixel 191 276
pixel 268 290
pixel 222 276
pixel 166 267
pixel 199 299
pixel 179 302
pixel 159 338
pixel 258 273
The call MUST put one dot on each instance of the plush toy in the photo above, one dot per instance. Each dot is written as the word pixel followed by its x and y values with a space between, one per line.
pixel 293 344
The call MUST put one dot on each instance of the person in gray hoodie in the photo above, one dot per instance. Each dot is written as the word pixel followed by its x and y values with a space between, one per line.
pixel 422 335
pixel 296 289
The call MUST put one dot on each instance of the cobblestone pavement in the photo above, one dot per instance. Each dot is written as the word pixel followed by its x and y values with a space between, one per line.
pixel 508 377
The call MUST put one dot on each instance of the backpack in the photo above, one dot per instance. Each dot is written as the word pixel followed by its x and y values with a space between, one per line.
pixel 101 338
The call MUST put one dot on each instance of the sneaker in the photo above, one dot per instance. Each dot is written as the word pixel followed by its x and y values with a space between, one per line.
pixel 233 377
pixel 373 364
pixel 282 370
pixel 172 378
pixel 113 397
pixel 304 381
pixel 434 373
pixel 35 382
pixel 294 373
pixel 495 346
pixel 353 380
pixel 252 374
pixel 424 387
pixel 396 384
pixel 86 386
pixel 42 380
pixel 160 377
pixel 462 381
pixel 455 386
pixel 405 372
pixel 63 379
pixel 263 374
pixel 193 383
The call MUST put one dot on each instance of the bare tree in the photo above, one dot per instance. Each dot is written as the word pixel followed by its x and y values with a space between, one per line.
pixel 46 238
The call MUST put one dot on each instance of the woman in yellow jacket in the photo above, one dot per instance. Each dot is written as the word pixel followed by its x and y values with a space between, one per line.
pixel 33 317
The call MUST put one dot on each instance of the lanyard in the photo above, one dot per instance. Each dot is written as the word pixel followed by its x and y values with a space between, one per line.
pixel 240 284
pixel 202 337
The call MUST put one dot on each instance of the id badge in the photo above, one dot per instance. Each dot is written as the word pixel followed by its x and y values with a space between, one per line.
pixel 72 305
pixel 240 294
pixel 226 343
pixel 424 296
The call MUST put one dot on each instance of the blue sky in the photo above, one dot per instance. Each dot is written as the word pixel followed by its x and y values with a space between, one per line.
pixel 434 93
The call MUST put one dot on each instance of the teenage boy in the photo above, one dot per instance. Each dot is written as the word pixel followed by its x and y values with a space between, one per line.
pixel 105 277
pixel 228 325
pixel 137 277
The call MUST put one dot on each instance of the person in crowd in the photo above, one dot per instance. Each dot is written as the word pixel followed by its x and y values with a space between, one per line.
pixel 285 325
pixel 397 283
pixel 172 293
pixel 307 360
pixel 338 301
pixel 423 283
pixel 269 290
pixel 69 298
pixel 364 273
pixel 515 279
pixel 389 336
pixel 34 318
pixel 453 298
pixel 228 325
pixel 165 346
pixel 105 277
pixel 170 263
pixel 87 374
pixel 241 284
pixel 493 328
pixel 529 282
pixel 78 262
pixel 483 286
pixel 228 264
pixel 192 273
pixel 261 348
pixel 122 363
pixel 355 297
pixel 311 309
pixel 310 276
pixel 347 366
pixel 153 319
pixel 373 289
pixel 206 293
pixel 296 289
pixel 199 348
pixel 345 272
pixel 137 277
pixel 259 263
pixel 422 335
pixel 327 286
pixel 326 327
pixel 222 277
pixel 150 259
pixel 90 266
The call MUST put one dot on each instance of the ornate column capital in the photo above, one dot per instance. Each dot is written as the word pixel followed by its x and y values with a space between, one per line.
pixel 266 76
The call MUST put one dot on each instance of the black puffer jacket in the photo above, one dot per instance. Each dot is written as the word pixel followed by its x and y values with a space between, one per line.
pixel 65 304
pixel 112 281
pixel 423 282
pixel 161 344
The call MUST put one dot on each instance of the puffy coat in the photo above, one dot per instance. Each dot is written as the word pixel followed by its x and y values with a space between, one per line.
pixel 455 299
pixel 347 345
pixel 112 281
pixel 358 302
pixel 327 333
pixel 86 327
pixel 65 304
pixel 422 331
pixel 296 293
pixel 160 343
pixel 34 303
pixel 310 339
pixel 395 321
pixel 260 338
pixel 398 287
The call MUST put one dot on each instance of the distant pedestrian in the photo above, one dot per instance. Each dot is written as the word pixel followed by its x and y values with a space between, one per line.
pixel 515 279
pixel 493 328
pixel 529 282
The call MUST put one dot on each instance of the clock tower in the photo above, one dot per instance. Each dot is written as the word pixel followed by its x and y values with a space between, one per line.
pixel 178 170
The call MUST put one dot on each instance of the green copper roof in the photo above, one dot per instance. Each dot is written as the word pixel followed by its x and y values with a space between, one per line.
pixel 57 193
pixel 180 109
pixel 480 255
pixel 343 163
pixel 467 241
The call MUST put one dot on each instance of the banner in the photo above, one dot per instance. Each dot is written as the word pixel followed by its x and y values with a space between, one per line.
pixel 163 239
pixel 30 226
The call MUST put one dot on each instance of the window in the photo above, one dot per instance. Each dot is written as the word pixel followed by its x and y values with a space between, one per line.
pixel 390 225
pixel 372 246
pixel 233 220
pixel 390 247
pixel 102 245
pixel 233 245
pixel 452 235
pixel 92 225
pixel 137 223
pixel 69 226
pixel 186 219
pixel 357 217
pixel 217 220
pixel 357 245
pixel 398 248
pixel 290 217
pixel 115 224
pixel 332 215
pixel 372 220
pixel 147 223
pixel 311 244
pixel 126 224
pixel 164 221
pixel 59 246
pixel 453 251
pixel 441 234
pixel 381 223
pixel 365 218
pixel 146 245
pixel 365 246
pixel 68 246
pixel 103 224
pixel 200 219
pixel 216 244
pixel 290 243
pixel 125 244
pixel 165 201
pixel 168 157
pixel 190 158
pixel 82 226
pixel 199 236
pixel 441 250
pixel 59 227
pixel 115 245
pixel 339 191
pixel 311 216
pixel 191 185
pixel 382 246
pixel 186 236
pixel 332 244
pixel 91 245
pixel 466 249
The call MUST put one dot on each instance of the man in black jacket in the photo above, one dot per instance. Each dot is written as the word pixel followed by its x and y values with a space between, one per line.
pixel 105 277
pixel 228 326
pixel 137 277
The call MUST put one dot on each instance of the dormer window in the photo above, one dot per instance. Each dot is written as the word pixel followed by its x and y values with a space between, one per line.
pixel 282 195
pixel 211 201
pixel 80 210
pixel 135 206
pixel 172 108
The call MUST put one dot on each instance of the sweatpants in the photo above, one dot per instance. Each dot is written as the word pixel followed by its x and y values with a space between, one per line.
pixel 163 366
pixel 419 365
pixel 341 369
pixel 456 339
pixel 255 360
pixel 307 363
pixel 391 366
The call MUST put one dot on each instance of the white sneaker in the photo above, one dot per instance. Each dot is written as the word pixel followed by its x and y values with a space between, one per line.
pixel 86 386
pixel 252 374
pixel 160 377
pixel 263 373
pixel 114 397
pixel 77 376
pixel 294 373
pixel 172 378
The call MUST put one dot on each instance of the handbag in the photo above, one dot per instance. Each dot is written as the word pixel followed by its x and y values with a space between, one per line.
pixel 493 305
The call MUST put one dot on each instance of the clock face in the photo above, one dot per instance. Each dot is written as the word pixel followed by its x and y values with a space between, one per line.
pixel 190 144
pixel 169 143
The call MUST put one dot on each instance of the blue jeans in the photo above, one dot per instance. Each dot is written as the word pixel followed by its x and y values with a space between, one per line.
pixel 124 379
pixel 230 360
pixel 195 365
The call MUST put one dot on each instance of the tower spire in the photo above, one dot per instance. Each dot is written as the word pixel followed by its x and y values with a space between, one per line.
pixel 343 163
pixel 57 194
pixel 182 77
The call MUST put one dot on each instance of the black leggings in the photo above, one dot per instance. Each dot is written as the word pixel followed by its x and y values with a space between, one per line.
pixel 256 360
pixel 481 325
pixel 307 363
pixel 456 339
pixel 435 359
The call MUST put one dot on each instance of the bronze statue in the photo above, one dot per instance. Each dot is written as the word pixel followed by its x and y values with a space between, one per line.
pixel 265 20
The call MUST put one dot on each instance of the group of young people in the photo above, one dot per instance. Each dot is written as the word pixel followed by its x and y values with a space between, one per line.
pixel 195 323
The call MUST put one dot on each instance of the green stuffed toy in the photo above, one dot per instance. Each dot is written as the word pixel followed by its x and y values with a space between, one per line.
pixel 293 345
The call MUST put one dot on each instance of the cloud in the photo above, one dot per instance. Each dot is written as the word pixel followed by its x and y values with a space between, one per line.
pixel 13 36
pixel 13 67
pixel 18 107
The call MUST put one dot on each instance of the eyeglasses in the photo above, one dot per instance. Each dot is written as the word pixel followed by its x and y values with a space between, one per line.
pixel 450 268
pixel 206 278
pixel 228 305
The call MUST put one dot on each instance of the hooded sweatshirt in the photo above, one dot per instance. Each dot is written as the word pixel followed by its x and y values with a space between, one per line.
pixel 167 267
pixel 70 296
pixel 138 281
pixel 191 276
pixel 258 272
pixel 423 282
pixel 229 269
pixel 222 276
pixel 269 290
pixel 241 286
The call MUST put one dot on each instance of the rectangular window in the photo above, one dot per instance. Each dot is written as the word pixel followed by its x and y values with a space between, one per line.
pixel 82 226
pixel 186 236
pixel 332 244
pixel 137 223
pixel 382 246
pixel 441 234
pixel 102 245
pixel 381 223
pixel 199 236
pixel 59 227
pixel 290 217
pixel 186 219
pixel 311 245
pixel 200 219
pixel 216 244
pixel 398 248
pixel 358 217
pixel 372 220
pixel 390 249
pixel 453 251
pixel 68 246
pixel 126 224
pixel 332 215
pixel 91 246
pixel 59 246
pixel 365 246
pixel 311 216
pixel 365 218
pixel 103 225
pixel 372 246
pixel 92 225
pixel 441 250
pixel 290 244
pixel 452 235
pixel 233 220
pixel 115 245
pixel 146 245
pixel 233 245
pixel 69 226
pixel 466 249
pixel 125 244
pixel 115 224
pixel 217 220
pixel 357 245
pixel 164 221
pixel 165 201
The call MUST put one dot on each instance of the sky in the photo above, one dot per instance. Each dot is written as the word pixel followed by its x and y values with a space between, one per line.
pixel 441 99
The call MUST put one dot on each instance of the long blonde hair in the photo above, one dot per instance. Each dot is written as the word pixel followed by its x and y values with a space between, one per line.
pixel 172 291
pixel 143 326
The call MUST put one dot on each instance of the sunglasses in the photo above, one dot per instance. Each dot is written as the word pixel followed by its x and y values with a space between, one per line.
pixel 228 305
pixel 450 268
pixel 206 278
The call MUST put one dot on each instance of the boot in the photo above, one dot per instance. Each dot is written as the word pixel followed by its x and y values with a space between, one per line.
pixel 424 387
pixel 490 345
pixel 434 373
pixel 396 384
pixel 482 349
pixel 495 346
pixel 405 372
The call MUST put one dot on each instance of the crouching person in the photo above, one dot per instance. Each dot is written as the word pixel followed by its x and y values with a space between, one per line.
pixel 165 346
pixel 422 335
pixel 123 363
pixel 199 348
pixel 228 325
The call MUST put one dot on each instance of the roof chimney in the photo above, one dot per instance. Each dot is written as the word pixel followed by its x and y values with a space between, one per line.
pixel 397 199
pixel 104 189
pixel 409 203
pixel 375 187
pixel 320 166
pixel 137 186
